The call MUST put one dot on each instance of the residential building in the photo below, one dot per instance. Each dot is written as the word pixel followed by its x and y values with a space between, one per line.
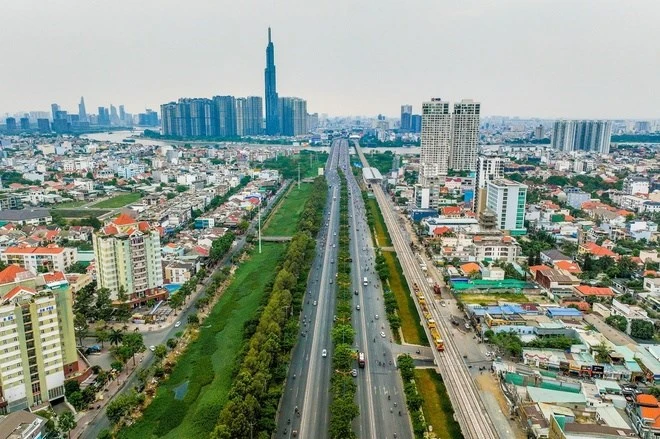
pixel 464 136
pixel 41 259
pixel 435 140
pixel 24 217
pixel 488 169
pixel 225 107
pixel 22 425
pixel 582 135
pixel 39 350
pixel 10 201
pixel 179 272
pixel 575 197
pixel 416 123
pixel 507 199
pixel 406 117
pixel 270 95
pixel 292 113
pixel 635 185
pixel 128 256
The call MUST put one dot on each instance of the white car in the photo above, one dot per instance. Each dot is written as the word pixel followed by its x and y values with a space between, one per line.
pixel 315 303
pixel 324 353
pixel 376 316
pixel 354 372
pixel 357 307
pixel 152 348
pixel 443 304
pixel 177 324
pixel 382 334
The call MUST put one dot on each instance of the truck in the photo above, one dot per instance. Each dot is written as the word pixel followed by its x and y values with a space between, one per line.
pixel 361 360
pixel 437 289
pixel 365 282
pixel 439 344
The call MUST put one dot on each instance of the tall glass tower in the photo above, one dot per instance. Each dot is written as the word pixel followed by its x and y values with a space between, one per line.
pixel 272 114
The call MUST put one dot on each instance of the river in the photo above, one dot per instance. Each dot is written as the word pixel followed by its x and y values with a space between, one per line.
pixel 118 136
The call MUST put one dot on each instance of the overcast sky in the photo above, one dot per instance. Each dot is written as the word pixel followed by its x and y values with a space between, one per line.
pixel 543 58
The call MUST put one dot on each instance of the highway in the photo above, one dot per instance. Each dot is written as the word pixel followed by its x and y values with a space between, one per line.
pixel 383 412
pixel 470 412
pixel 308 380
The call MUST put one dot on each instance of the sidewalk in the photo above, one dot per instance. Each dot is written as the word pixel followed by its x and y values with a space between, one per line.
pixel 111 388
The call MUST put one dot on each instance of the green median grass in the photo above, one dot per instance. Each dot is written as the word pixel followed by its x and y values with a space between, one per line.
pixel 436 406
pixel 284 222
pixel 382 236
pixel 410 321
pixel 208 361
pixel 118 201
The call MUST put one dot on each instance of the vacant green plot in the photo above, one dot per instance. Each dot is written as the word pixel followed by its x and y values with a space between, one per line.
pixel 382 236
pixel 284 221
pixel 206 365
pixel 410 321
pixel 118 200
pixel 492 298
pixel 69 204
pixel 79 213
pixel 436 406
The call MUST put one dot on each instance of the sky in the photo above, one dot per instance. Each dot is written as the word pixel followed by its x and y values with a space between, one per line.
pixel 527 58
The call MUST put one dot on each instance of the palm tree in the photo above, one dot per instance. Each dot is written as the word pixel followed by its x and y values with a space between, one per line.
pixel 115 337
pixel 101 336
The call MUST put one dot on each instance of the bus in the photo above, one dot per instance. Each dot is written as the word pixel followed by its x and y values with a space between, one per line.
pixel 365 282
pixel 361 360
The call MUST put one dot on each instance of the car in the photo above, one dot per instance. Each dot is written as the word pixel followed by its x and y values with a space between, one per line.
pixel 354 372
pixel 335 233
pixel 324 353
pixel 356 293
pixel 177 324
pixel 443 304
pixel 152 348
pixel 382 334
pixel 334 245
pixel 357 307
pixel 332 261
pixel 314 303
pixel 330 281
pixel 377 317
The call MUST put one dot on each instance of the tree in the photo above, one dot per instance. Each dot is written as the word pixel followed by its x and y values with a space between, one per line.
pixel 602 352
pixel 135 343
pixel 116 336
pixel 160 351
pixel 193 319
pixel 243 226
pixel 102 336
pixel 81 327
pixel 77 267
pixel 66 422
pixel 171 343
pixel 103 304
pixel 617 322
pixel 642 329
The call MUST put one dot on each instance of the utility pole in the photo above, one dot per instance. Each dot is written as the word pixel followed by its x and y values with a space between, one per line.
pixel 298 175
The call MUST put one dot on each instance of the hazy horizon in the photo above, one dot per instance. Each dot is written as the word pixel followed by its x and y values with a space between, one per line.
pixel 544 59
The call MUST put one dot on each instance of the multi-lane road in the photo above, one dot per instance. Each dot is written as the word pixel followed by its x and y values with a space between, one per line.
pixel 469 409
pixel 380 390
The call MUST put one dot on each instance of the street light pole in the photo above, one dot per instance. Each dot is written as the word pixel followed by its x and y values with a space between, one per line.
pixel 259 213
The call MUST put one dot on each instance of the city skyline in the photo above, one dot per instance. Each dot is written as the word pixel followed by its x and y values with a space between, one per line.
pixel 535 72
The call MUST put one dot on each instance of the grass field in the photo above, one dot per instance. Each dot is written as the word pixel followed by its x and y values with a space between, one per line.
pixel 208 362
pixel 382 236
pixel 492 298
pixel 284 221
pixel 118 200
pixel 69 204
pixel 80 213
pixel 436 406
pixel 410 320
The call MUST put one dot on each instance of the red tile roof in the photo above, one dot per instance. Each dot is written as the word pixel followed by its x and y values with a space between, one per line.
pixel 124 220
pixel 470 267
pixel 586 290
pixel 597 250
pixel 570 266
pixel 18 289
pixel 50 250
pixel 8 275
pixel 54 277
pixel 441 230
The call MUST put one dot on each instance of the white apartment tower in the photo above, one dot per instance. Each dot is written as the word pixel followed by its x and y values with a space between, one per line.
pixel 435 140
pixel 464 136
pixel 582 135
pixel 488 169
pixel 507 200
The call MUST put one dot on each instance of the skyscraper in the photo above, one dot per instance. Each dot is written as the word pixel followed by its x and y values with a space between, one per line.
pixel 168 118
pixel 10 124
pixel 54 109
pixel 104 117
pixel 406 117
pixel 464 136
pixel 435 140
pixel 114 117
pixel 122 115
pixel 582 135
pixel 82 112
pixel 254 116
pixel 225 107
pixel 293 116
pixel 272 104
pixel 241 109
pixel 416 123
pixel 25 123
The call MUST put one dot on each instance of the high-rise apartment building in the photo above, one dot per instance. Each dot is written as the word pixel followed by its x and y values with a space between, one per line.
pixel 254 116
pixel 293 116
pixel 507 199
pixel 435 140
pixel 54 110
pixel 582 135
pixel 271 98
pixel 241 110
pixel 149 118
pixel 25 123
pixel 43 125
pixel 39 347
pixel 104 117
pixel 488 169
pixel 416 123
pixel 464 136
pixel 10 124
pixel 168 119
pixel 225 107
pixel 82 112
pixel 127 254
pixel 406 117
